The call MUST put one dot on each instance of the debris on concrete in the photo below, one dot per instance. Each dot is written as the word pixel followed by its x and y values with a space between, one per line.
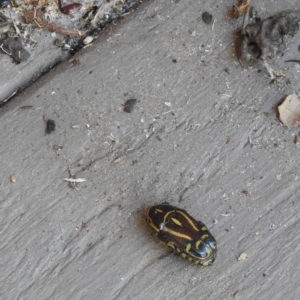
pixel 246 192
pixel 207 18
pixel 73 19
pixel 35 17
pixel 69 9
pixel 12 178
pixel 289 110
pixel 87 40
pixel 261 39
pixel 242 256
pixel 75 180
pixel 13 47
pixel 129 105
pixel 50 125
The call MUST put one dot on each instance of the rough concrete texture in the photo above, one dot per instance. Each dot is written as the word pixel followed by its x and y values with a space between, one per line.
pixel 203 130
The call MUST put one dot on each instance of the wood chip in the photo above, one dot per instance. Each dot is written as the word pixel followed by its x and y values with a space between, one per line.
pixel 240 8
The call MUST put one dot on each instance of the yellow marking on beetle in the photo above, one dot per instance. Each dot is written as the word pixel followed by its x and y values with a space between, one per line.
pixel 208 252
pixel 188 219
pixel 150 223
pixel 167 215
pixel 178 250
pixel 171 244
pixel 188 247
pixel 183 255
pixel 158 210
pixel 206 263
pixel 203 228
pixel 213 246
pixel 184 236
pixel 197 262
pixel 198 244
pixel 204 236
pixel 176 222
pixel 190 259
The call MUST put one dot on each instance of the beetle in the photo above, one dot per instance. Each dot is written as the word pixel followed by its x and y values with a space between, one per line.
pixel 183 233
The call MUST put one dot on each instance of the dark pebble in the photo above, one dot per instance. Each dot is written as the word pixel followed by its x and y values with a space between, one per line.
pixel 207 18
pixel 50 126
pixel 129 104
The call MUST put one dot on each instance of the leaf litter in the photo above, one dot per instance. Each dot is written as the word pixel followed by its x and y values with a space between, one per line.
pixel 260 40
pixel 21 21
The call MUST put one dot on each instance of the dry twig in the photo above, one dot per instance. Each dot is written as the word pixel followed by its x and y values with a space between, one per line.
pixel 34 16
pixel 75 180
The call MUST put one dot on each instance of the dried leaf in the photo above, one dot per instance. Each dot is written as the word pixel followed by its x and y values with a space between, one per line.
pixel 289 110
pixel 236 10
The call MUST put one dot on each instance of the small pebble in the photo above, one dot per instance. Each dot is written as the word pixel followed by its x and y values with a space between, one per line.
pixel 13 178
pixel 128 105
pixel 242 256
pixel 50 126
pixel 88 40
pixel 207 18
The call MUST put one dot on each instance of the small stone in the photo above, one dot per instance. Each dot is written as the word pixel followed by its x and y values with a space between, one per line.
pixel 50 126
pixel 242 256
pixel 88 40
pixel 207 18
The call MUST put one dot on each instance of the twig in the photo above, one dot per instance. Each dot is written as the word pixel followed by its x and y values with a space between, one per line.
pixel 75 180
pixel 1 47
pixel 93 22
pixel 34 16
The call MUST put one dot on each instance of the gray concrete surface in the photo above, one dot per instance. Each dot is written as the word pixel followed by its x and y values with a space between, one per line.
pixel 202 132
